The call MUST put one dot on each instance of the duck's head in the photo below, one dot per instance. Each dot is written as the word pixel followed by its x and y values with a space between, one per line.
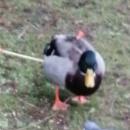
pixel 88 65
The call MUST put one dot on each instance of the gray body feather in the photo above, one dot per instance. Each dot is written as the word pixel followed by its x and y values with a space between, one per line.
pixel 73 48
pixel 56 68
pixel 100 64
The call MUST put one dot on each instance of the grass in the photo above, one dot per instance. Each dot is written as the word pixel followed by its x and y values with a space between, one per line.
pixel 26 97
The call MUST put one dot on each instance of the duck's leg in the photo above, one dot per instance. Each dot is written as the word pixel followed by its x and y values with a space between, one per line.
pixel 80 99
pixel 58 104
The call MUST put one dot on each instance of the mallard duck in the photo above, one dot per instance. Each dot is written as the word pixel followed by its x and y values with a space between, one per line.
pixel 71 62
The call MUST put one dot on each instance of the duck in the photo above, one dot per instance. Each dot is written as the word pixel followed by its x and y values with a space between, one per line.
pixel 72 63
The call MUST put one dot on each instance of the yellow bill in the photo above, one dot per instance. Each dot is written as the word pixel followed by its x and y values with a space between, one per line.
pixel 90 78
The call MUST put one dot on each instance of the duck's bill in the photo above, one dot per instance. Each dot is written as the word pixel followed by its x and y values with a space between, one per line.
pixel 90 78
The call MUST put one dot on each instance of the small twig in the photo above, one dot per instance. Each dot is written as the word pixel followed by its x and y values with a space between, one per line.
pixel 33 25
pixel 68 99
pixel 35 124
pixel 23 32
pixel 27 103
pixel 10 53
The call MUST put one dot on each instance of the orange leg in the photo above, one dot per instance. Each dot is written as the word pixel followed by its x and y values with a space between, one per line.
pixel 58 104
pixel 80 99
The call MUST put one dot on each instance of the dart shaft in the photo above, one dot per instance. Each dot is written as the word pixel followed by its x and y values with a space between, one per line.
pixel 10 53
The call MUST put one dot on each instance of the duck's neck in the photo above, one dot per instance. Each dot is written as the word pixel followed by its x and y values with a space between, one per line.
pixel 75 83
